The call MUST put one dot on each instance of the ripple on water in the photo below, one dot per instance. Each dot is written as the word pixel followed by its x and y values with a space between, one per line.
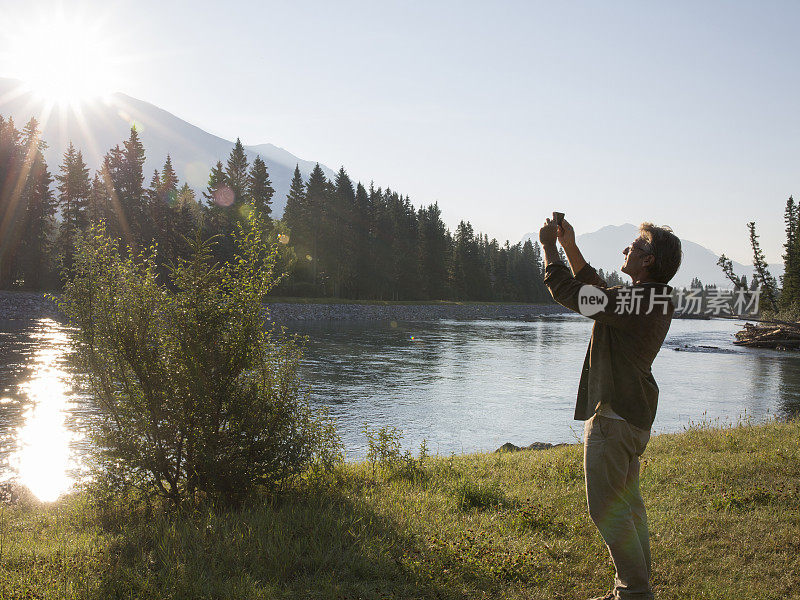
pixel 462 385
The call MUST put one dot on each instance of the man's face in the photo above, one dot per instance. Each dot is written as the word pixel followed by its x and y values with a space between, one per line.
pixel 638 256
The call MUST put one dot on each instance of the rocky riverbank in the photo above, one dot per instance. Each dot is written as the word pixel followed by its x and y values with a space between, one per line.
pixel 286 311
pixel 27 305
pixel 34 305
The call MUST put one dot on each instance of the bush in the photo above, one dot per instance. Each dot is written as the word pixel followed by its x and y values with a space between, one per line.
pixel 384 449
pixel 196 396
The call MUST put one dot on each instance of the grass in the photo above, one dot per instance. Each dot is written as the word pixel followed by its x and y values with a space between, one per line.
pixel 723 505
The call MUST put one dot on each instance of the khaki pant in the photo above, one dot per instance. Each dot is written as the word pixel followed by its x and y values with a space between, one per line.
pixel 611 452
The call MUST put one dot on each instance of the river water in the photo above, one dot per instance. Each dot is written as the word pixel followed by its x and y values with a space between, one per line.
pixel 463 386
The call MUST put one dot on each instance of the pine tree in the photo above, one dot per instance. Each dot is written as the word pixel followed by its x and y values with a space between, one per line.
pixel 381 244
pixel 260 190
pixel 469 277
pixel 154 191
pixel 317 194
pixel 188 218
pixel 217 218
pixel 130 190
pixel 434 250
pixel 74 192
pixel 187 199
pixel 236 173
pixel 361 242
pixel 338 250
pixel 726 265
pixel 110 173
pixel 40 206
pixel 613 279
pixel 123 177
pixel 216 180
pixel 168 189
pixel 294 212
pixel 790 280
pixel 160 214
pixel 762 273
pixel 12 209
pixel 529 273
pixel 74 189
pixel 99 202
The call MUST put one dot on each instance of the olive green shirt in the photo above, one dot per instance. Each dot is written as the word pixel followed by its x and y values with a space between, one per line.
pixel 626 337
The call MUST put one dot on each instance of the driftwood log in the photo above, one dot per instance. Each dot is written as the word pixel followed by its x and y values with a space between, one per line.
pixel 779 335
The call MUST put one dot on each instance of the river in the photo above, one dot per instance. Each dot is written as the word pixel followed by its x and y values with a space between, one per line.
pixel 464 386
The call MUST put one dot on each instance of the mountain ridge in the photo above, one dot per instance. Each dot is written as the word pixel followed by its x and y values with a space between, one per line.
pixel 96 127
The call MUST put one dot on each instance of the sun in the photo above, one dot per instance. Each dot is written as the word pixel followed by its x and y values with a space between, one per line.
pixel 64 59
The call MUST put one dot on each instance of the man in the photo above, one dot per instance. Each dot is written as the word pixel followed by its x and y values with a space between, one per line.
pixel 617 395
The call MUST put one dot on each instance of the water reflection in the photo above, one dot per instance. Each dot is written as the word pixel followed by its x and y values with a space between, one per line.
pixel 464 386
pixel 35 417
pixel 788 389
pixel 467 386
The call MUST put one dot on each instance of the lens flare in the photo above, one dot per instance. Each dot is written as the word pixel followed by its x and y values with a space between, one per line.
pixel 223 196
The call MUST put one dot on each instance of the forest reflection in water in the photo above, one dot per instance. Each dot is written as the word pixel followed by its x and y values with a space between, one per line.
pixel 463 386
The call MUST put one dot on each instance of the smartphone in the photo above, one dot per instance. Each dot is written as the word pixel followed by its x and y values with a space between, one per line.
pixel 558 218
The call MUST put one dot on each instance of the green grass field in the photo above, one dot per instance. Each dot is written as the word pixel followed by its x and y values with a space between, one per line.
pixel 723 505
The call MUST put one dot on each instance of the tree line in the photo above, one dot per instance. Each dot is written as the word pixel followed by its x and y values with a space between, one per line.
pixel 336 238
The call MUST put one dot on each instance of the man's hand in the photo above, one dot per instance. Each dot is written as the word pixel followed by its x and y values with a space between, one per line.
pixel 548 233
pixel 566 234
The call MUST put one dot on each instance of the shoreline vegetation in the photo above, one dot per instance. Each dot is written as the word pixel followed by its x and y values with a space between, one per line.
pixel 723 503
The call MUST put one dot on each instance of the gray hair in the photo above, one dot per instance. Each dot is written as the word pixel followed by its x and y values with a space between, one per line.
pixel 665 247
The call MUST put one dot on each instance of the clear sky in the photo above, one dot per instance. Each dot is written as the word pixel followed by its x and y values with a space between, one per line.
pixel 683 113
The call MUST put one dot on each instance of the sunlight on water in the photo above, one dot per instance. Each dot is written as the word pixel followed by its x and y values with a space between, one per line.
pixel 463 386
pixel 42 459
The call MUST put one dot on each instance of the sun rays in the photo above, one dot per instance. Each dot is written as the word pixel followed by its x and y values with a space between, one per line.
pixel 64 59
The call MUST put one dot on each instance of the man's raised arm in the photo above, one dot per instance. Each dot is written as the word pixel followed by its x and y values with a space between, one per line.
pixel 581 270
pixel 566 288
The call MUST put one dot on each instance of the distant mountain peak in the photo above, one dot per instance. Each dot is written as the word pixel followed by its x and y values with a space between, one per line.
pixel 97 127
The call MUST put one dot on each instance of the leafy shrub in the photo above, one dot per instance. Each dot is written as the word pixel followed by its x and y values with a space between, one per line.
pixel 384 447
pixel 196 396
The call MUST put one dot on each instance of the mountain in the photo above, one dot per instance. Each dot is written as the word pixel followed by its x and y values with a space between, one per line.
pixel 95 127
pixel 603 249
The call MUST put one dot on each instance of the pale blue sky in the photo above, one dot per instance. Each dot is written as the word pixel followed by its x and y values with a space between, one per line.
pixel 683 113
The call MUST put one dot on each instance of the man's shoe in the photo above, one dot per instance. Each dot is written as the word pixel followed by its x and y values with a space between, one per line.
pixel 608 596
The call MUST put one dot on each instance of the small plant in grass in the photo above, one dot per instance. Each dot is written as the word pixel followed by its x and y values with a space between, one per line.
pixel 196 396
pixel 533 517
pixel 473 494
pixel 384 451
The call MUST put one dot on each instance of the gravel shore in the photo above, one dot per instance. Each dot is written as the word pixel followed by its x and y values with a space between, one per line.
pixel 27 305
pixel 284 311
pixel 33 305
